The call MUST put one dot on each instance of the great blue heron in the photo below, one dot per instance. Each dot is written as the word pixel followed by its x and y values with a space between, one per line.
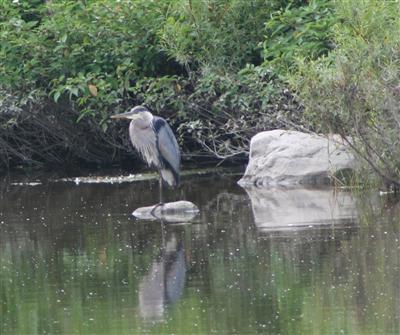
pixel 153 138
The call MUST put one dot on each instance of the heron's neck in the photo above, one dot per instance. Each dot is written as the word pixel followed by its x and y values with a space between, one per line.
pixel 143 122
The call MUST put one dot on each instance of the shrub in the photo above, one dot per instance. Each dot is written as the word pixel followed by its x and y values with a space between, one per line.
pixel 65 66
pixel 88 53
pixel 355 91
pixel 298 31
pixel 221 34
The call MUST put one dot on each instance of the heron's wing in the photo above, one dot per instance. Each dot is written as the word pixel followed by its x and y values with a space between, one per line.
pixel 167 145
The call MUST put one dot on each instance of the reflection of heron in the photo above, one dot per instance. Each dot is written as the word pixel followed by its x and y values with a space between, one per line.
pixel 153 138
pixel 165 281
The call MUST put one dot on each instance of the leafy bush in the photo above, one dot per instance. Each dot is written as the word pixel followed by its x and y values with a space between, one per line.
pixel 84 52
pixel 73 61
pixel 68 65
pixel 222 34
pixel 355 91
pixel 298 32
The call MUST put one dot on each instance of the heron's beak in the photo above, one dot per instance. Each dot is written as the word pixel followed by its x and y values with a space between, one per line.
pixel 127 115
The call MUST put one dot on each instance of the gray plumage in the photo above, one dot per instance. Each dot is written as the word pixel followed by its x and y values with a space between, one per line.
pixel 153 138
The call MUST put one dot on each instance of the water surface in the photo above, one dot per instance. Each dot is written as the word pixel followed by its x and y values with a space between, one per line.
pixel 74 261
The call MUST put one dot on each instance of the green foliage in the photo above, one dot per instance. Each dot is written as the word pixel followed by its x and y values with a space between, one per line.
pixel 70 64
pixel 224 34
pixel 77 44
pixel 355 90
pixel 299 32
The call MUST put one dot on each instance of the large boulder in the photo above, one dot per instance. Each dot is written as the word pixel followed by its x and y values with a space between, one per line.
pixel 281 157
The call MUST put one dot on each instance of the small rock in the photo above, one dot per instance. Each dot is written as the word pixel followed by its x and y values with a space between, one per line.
pixel 178 211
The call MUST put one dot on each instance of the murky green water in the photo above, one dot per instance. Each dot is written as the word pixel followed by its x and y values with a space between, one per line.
pixel 74 261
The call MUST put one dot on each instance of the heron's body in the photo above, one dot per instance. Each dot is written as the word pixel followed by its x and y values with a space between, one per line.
pixel 153 138
pixel 145 138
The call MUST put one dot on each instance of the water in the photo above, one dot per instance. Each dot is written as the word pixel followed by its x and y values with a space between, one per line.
pixel 74 261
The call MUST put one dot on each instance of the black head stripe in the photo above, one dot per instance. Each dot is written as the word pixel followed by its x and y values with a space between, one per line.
pixel 139 109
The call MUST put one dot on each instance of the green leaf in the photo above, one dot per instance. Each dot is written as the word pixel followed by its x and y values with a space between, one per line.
pixel 57 96
pixel 63 38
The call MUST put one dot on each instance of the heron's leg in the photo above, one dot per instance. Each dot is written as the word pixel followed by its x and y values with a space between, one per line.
pixel 161 197
pixel 161 190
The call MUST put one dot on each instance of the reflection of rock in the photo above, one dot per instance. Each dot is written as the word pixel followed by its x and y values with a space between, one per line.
pixel 288 208
pixel 178 211
pixel 291 157
pixel 165 281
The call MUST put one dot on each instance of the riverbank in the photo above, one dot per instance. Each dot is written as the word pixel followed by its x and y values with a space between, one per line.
pixel 218 71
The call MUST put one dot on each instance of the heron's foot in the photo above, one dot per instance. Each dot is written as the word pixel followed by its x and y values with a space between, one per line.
pixel 155 207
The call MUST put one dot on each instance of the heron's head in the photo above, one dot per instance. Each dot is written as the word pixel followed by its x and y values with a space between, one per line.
pixel 136 113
